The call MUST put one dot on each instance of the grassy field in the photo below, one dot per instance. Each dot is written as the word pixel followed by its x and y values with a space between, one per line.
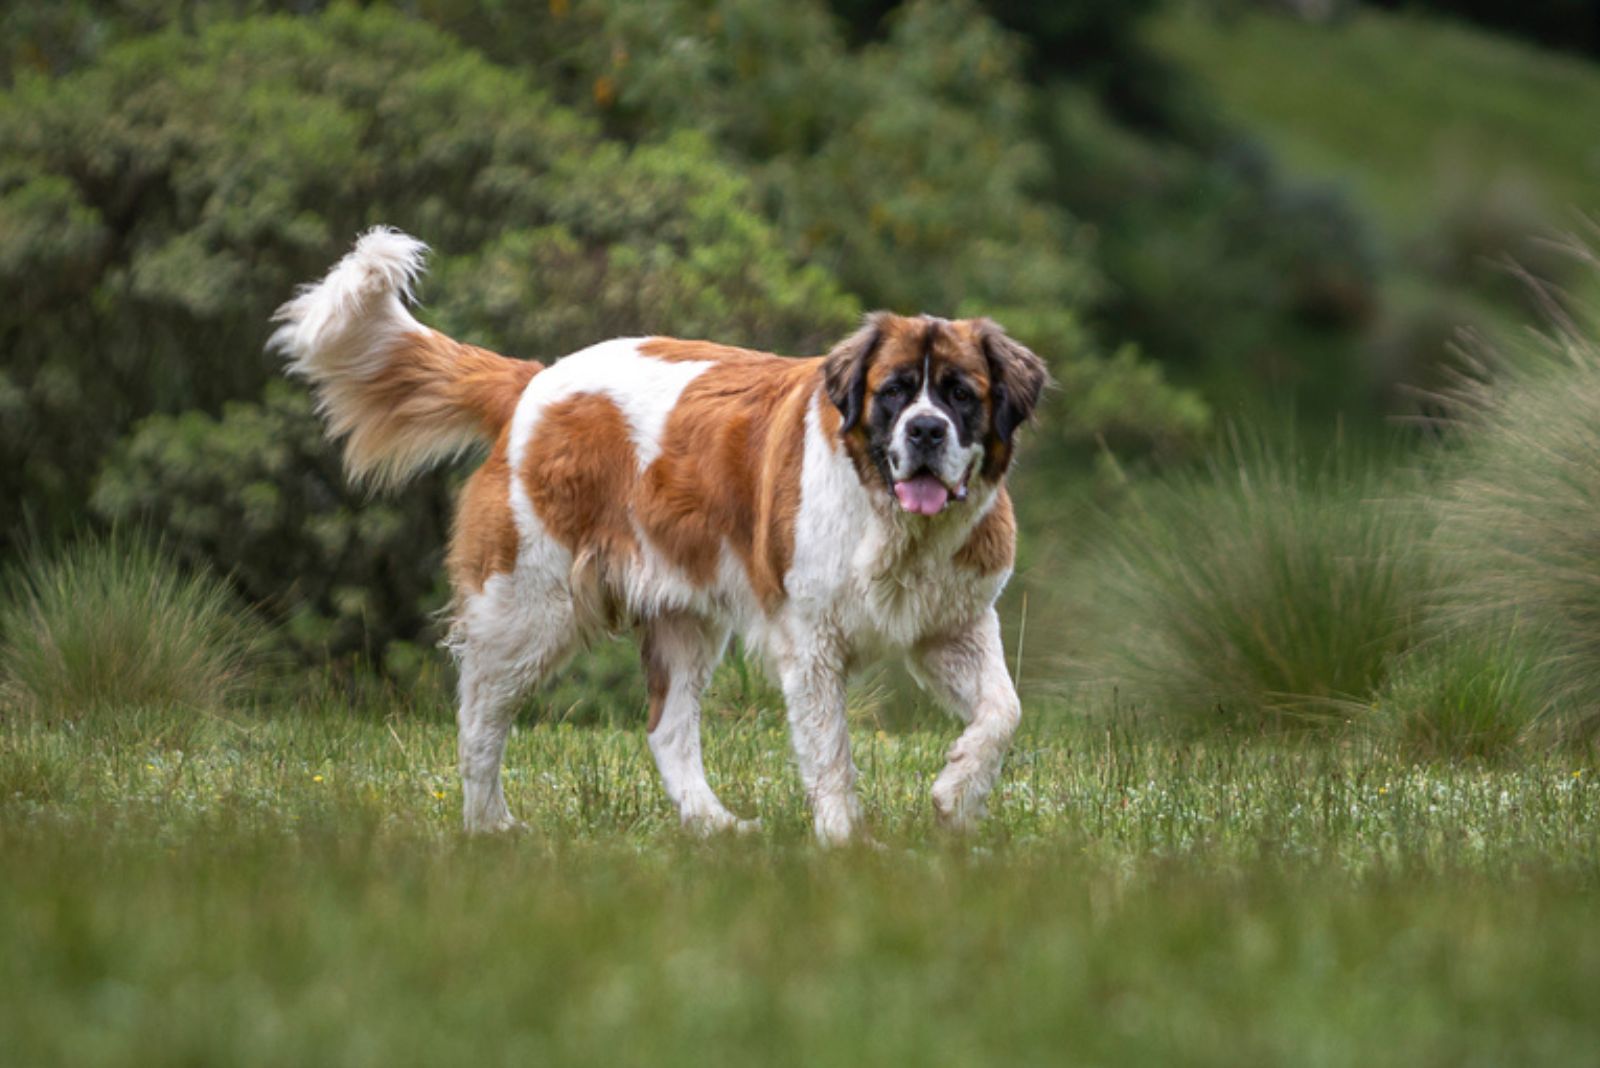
pixel 293 889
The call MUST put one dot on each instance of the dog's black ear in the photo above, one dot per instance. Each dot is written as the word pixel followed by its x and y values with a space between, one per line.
pixel 1016 379
pixel 844 371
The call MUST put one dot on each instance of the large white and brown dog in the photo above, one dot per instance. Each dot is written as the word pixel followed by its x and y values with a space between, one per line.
pixel 827 509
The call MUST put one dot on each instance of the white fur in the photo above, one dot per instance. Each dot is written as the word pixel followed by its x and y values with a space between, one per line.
pixel 339 321
pixel 692 648
pixel 340 334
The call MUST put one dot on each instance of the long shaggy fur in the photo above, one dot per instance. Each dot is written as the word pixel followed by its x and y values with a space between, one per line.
pixel 698 490
pixel 403 396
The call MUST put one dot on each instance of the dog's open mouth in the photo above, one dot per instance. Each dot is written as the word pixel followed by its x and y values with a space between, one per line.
pixel 925 494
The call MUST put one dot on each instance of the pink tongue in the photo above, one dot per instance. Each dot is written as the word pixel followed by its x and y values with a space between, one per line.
pixel 923 495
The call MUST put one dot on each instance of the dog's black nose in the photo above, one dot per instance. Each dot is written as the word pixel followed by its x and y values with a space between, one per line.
pixel 925 431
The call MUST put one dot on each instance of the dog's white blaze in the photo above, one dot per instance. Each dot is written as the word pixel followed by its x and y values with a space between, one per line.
pixel 955 463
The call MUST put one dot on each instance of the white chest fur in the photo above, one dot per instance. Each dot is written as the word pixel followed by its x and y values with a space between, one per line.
pixel 876 579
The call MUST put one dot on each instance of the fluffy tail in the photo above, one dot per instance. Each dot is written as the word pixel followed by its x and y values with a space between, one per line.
pixel 403 396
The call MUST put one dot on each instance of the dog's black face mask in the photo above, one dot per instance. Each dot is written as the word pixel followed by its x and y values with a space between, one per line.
pixel 932 404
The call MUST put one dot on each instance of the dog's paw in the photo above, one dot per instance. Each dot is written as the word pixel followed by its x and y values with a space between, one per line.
pixel 504 823
pixel 954 807
pixel 721 821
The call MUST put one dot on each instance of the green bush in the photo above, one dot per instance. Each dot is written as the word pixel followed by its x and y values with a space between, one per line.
pixel 158 204
pixel 115 623
pixel 910 167
pixel 1238 280
pixel 258 150
pixel 1266 590
pixel 259 492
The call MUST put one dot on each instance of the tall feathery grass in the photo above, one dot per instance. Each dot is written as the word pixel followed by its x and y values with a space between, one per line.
pixel 113 622
pixel 1268 589
pixel 1478 693
pixel 1519 522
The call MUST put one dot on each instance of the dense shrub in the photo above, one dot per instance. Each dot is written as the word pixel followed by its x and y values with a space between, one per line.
pixel 907 168
pixel 159 204
pixel 155 207
pixel 1267 589
pixel 1237 279
pixel 259 490
pixel 116 623
pixel 911 167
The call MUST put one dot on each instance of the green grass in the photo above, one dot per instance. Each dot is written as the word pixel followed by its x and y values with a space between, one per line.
pixel 1399 106
pixel 294 890
pixel 1468 694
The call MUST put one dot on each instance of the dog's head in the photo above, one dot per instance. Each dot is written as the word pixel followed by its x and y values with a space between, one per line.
pixel 932 405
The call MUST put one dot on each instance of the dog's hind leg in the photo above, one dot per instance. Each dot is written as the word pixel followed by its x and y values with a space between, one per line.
pixel 507 639
pixel 679 653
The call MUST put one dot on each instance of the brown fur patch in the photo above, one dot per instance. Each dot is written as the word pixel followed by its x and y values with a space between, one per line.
pixel 434 396
pixel 904 342
pixel 484 539
pixel 657 677
pixel 729 469
pixel 992 545
pixel 579 471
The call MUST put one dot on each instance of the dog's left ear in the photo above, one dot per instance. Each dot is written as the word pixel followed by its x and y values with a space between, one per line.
pixel 1016 378
pixel 844 371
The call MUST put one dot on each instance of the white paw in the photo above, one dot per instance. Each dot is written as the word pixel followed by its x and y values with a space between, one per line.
pixel 717 821
pixel 954 806
pixel 498 823
pixel 836 822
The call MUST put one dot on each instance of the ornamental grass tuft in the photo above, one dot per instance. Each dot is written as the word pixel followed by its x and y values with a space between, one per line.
pixel 115 622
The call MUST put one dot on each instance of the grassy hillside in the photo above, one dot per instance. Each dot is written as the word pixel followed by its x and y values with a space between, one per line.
pixel 1402 108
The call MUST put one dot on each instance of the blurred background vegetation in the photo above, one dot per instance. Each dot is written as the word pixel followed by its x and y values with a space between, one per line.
pixel 1245 234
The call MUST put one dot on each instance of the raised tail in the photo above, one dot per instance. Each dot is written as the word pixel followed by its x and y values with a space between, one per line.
pixel 403 396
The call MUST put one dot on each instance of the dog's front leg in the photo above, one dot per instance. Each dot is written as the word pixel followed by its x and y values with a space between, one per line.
pixel 814 689
pixel 966 671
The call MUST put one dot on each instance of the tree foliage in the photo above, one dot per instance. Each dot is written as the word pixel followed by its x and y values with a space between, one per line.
pixel 156 206
pixel 732 170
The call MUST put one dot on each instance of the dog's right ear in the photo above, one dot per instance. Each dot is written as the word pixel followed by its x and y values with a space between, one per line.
pixel 844 371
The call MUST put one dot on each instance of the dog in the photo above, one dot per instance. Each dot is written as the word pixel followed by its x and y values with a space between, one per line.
pixel 827 510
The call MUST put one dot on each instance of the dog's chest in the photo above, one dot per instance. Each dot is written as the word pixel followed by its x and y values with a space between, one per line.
pixel 879 580
pixel 899 595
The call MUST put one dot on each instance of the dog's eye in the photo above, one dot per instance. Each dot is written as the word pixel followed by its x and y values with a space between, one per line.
pixel 892 389
pixel 960 394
